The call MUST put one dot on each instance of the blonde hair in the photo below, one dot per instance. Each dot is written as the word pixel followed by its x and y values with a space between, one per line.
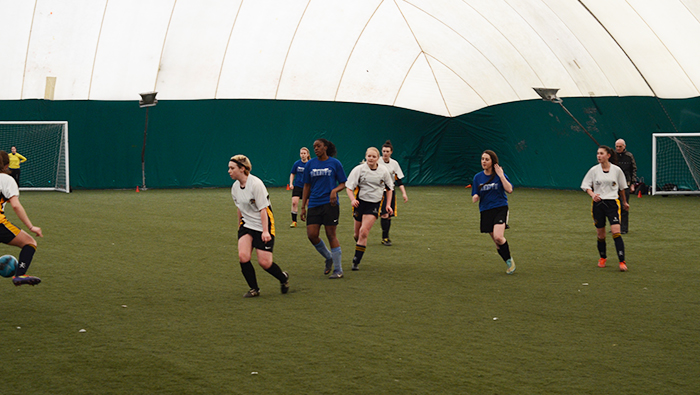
pixel 242 161
pixel 379 155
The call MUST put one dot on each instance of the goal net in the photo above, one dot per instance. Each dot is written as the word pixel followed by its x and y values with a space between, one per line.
pixel 675 163
pixel 45 145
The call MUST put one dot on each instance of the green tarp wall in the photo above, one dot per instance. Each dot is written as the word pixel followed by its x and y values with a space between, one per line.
pixel 189 142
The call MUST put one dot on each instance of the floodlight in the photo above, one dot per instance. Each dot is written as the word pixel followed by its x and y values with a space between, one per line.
pixel 548 94
pixel 148 99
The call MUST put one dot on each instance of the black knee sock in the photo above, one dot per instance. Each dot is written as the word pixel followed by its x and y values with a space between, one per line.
pixel 249 275
pixel 386 224
pixel 504 251
pixel 25 259
pixel 359 252
pixel 276 272
pixel 619 246
pixel 601 248
pixel 294 217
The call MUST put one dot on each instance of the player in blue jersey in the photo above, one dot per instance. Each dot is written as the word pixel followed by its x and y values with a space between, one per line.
pixel 296 182
pixel 324 177
pixel 489 188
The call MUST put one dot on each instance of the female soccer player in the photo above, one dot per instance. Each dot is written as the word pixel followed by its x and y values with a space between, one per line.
pixel 605 182
pixel 395 170
pixel 296 181
pixel 324 177
pixel 489 188
pixel 256 225
pixel 365 186
pixel 10 234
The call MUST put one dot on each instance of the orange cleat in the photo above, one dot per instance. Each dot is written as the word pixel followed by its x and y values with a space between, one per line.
pixel 601 262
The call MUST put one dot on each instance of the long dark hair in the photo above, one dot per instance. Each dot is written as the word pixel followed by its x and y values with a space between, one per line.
pixel 494 161
pixel 4 161
pixel 613 154
pixel 330 147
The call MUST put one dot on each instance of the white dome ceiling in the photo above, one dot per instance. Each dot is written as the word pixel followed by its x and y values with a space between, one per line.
pixel 446 57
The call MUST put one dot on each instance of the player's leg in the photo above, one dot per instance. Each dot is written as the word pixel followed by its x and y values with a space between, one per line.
pixel 598 214
pixel 245 250
pixel 368 221
pixel 295 208
pixel 266 262
pixel 27 246
pixel 502 247
pixel 386 219
pixel 314 219
pixel 615 229
pixel 624 215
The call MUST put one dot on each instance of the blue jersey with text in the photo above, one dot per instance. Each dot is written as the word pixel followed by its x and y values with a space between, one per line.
pixel 491 193
pixel 298 171
pixel 323 177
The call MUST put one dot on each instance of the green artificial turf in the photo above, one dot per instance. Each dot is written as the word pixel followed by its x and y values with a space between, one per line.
pixel 153 278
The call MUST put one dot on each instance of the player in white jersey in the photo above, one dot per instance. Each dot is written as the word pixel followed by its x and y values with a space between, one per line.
pixel 397 175
pixel 256 225
pixel 604 183
pixel 365 187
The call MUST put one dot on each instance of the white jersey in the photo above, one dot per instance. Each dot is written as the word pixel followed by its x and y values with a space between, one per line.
pixel 8 189
pixel 371 183
pixel 250 201
pixel 393 167
pixel 606 184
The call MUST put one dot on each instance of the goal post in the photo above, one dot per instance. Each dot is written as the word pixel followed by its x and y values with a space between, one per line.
pixel 675 163
pixel 45 145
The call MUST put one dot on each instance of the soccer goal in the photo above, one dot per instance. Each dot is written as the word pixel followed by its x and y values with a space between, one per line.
pixel 675 163
pixel 45 145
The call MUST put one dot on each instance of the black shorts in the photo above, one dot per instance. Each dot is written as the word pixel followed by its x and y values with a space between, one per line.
pixel 297 191
pixel 326 215
pixel 383 204
pixel 365 208
pixel 494 216
pixel 258 242
pixel 609 209
pixel 7 231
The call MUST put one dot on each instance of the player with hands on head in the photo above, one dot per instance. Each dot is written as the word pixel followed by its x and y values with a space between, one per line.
pixel 10 234
pixel 365 186
pixel 605 183
pixel 256 225
pixel 489 188
pixel 395 171
pixel 296 181
pixel 324 177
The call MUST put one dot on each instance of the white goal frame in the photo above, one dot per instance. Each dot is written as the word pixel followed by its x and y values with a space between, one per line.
pixel 654 165
pixel 65 160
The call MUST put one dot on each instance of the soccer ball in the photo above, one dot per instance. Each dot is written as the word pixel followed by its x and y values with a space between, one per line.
pixel 8 265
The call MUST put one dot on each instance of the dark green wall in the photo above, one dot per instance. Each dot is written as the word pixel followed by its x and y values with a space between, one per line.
pixel 189 142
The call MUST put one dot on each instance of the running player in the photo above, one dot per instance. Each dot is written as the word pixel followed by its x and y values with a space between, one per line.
pixel 395 170
pixel 324 177
pixel 10 234
pixel 296 181
pixel 256 225
pixel 604 183
pixel 489 188
pixel 365 186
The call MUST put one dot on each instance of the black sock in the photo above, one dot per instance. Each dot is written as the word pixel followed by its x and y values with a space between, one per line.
pixel 276 272
pixel 249 275
pixel 504 251
pixel 359 251
pixel 601 248
pixel 294 217
pixel 386 224
pixel 619 246
pixel 25 259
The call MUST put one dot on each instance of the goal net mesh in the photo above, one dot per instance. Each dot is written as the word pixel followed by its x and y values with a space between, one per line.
pixel 677 163
pixel 45 147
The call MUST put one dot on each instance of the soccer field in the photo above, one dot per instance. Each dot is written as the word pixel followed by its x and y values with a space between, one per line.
pixel 153 278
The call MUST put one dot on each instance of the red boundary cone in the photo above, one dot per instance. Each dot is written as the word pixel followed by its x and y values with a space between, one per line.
pixel 137 189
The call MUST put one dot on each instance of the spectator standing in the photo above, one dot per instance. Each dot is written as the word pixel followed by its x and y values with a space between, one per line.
pixel 15 160
pixel 626 162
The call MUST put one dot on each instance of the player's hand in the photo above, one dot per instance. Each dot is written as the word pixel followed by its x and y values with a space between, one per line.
pixel 266 237
pixel 498 169
pixel 405 198
pixel 596 197
pixel 334 198
pixel 355 203
pixel 37 231
pixel 389 210
pixel 626 206
pixel 303 214
pixel 632 188
pixel 475 198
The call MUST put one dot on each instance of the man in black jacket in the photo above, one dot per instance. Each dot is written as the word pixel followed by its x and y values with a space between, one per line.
pixel 625 160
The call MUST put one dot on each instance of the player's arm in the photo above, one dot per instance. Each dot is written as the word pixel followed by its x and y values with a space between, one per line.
pixel 22 159
pixel 507 186
pixel 621 191
pixel 291 180
pixel 399 183
pixel 389 194
pixel 266 231
pixel 240 217
pixel 351 194
pixel 304 200
pixel 334 193
pixel 22 215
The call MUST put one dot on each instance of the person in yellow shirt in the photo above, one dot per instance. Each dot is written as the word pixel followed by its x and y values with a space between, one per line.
pixel 15 160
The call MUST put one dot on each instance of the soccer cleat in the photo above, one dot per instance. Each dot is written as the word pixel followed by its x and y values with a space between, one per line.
pixel 336 275
pixel 601 262
pixel 293 225
pixel 623 266
pixel 29 280
pixel 329 266
pixel 284 287
pixel 386 242
pixel 252 293
pixel 355 266
pixel 511 266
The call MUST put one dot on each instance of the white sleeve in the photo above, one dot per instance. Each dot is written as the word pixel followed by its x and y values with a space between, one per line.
pixel 388 180
pixel 397 169
pixel 261 196
pixel 353 178
pixel 621 179
pixel 587 182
